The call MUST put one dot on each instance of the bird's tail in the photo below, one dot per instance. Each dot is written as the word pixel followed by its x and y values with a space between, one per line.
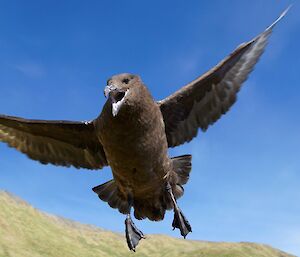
pixel 108 192
pixel 182 167
pixel 156 206
pixel 181 172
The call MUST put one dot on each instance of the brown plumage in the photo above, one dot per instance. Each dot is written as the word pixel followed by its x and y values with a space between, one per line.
pixel 133 133
pixel 136 149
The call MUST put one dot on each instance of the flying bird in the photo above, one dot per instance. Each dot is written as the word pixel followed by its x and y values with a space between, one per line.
pixel 132 135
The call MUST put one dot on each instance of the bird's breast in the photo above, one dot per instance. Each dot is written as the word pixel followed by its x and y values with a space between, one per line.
pixel 135 145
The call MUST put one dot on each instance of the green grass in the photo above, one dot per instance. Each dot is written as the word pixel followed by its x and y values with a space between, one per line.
pixel 27 232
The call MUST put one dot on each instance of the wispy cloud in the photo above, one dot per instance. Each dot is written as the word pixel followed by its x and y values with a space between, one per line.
pixel 32 70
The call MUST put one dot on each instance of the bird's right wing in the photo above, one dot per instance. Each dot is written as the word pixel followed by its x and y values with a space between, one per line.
pixel 62 143
pixel 203 101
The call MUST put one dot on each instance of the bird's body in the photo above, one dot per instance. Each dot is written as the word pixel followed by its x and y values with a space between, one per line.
pixel 136 148
pixel 133 133
pixel 135 143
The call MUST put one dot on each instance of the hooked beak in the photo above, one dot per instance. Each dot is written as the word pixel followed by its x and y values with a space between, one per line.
pixel 116 97
pixel 108 89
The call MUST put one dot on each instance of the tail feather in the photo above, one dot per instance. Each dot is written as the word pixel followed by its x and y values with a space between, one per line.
pixel 152 209
pixel 182 167
pixel 181 172
pixel 108 192
pixel 155 205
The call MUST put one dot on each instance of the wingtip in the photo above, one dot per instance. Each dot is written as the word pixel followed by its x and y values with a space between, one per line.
pixel 279 18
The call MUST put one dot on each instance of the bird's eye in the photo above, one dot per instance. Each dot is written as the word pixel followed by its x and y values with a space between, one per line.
pixel 119 96
pixel 126 81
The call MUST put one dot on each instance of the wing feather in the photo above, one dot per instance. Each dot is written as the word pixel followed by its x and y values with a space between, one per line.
pixel 203 101
pixel 62 143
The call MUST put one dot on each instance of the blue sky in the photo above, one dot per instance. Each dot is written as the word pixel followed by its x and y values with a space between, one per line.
pixel 245 184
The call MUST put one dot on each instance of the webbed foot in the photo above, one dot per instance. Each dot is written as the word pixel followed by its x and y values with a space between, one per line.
pixel 133 234
pixel 180 220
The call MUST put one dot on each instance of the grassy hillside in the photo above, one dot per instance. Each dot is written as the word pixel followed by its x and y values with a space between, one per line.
pixel 27 232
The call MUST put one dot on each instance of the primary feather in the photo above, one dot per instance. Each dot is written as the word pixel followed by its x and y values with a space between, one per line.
pixel 202 102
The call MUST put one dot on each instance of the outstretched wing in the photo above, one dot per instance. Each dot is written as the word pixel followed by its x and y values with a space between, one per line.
pixel 203 101
pixel 62 143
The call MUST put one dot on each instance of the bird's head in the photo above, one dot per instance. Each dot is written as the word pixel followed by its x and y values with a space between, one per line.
pixel 118 89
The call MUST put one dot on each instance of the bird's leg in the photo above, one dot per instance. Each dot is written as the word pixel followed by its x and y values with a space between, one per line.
pixel 133 234
pixel 179 219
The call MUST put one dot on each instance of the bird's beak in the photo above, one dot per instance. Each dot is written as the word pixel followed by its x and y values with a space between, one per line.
pixel 116 98
pixel 108 89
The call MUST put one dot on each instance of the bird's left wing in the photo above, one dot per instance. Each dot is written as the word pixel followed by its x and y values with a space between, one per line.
pixel 62 143
pixel 204 100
